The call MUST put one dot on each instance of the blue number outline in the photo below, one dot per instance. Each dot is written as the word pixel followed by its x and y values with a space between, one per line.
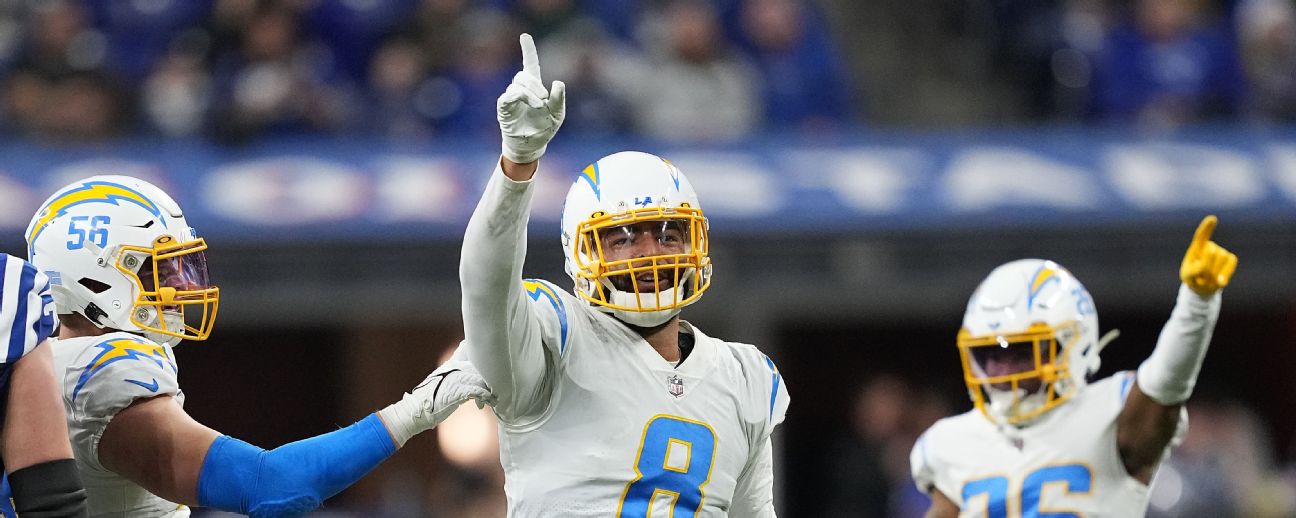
pixel 94 233
pixel 992 486
pixel 1032 486
pixel 659 434
pixel 79 233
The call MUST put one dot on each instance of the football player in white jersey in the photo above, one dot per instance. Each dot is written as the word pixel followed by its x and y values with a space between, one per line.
pixel 34 449
pixel 608 403
pixel 1043 440
pixel 129 279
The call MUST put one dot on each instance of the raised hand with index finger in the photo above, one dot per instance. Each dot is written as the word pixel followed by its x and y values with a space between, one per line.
pixel 1207 267
pixel 529 114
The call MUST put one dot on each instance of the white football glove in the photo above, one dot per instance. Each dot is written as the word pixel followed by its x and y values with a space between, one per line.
pixel 435 399
pixel 529 115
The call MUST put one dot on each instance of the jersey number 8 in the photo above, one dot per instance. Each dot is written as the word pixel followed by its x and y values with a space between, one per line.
pixel 674 462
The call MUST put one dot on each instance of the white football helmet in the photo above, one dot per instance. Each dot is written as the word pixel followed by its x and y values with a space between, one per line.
pixel 1029 340
pixel 635 238
pixel 119 252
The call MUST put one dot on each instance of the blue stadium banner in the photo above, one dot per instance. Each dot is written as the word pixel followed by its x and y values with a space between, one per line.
pixel 348 190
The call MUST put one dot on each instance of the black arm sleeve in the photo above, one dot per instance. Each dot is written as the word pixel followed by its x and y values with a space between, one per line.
pixel 48 490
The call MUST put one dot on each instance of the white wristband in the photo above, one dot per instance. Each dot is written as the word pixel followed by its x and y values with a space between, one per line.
pixel 399 422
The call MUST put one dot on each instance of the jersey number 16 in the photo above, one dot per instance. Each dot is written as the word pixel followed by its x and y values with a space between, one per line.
pixel 1075 478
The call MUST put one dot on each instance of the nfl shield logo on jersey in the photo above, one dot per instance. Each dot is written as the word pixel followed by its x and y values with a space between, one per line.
pixel 675 385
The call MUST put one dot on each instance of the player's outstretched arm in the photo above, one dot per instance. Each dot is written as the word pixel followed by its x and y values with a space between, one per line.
pixel 1152 410
pixel 941 506
pixel 37 453
pixel 503 336
pixel 156 444
pixel 34 443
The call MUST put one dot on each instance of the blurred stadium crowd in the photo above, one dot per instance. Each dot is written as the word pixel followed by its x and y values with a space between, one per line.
pixel 236 70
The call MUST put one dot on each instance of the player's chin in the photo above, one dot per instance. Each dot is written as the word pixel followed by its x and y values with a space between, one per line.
pixel 643 284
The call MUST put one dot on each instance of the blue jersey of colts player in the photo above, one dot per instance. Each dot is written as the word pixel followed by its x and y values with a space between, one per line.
pixel 42 479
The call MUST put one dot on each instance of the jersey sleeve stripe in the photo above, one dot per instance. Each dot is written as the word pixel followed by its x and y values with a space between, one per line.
pixel 1126 381
pixel 536 288
pixel 8 298
pixel 26 278
pixel 774 380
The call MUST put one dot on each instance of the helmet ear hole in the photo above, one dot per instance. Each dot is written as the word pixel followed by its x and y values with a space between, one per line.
pixel 94 286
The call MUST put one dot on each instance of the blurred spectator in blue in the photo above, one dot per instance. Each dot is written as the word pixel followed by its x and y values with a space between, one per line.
pixel 59 40
pixel 140 33
pixel 1267 36
pixel 277 83
pixel 85 105
pixel 73 106
pixel 804 82
pixel 544 18
pixel 463 96
pixel 58 88
pixel 599 71
pixel 864 466
pixel 1045 47
pixel 354 29
pixel 404 101
pixel 869 469
pixel 436 26
pixel 1173 64
pixel 12 30
pixel 24 95
pixel 618 17
pixel 694 88
pixel 176 97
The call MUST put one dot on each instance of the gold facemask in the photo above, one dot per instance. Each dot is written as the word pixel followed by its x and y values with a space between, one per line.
pixel 679 260
pixel 173 282
pixel 999 367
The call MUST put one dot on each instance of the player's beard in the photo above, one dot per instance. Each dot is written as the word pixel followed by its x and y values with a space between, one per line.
pixel 1006 403
pixel 644 281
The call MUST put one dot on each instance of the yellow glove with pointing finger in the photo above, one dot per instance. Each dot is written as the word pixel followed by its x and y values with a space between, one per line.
pixel 1207 266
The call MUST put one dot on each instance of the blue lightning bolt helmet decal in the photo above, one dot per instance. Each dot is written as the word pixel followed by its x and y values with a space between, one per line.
pixel 1045 275
pixel 591 176
pixel 90 192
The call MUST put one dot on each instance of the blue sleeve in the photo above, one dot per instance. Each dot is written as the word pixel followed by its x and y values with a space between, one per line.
pixel 295 478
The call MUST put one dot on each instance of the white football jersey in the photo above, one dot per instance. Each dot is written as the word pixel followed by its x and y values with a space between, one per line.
pixel 1066 462
pixel 625 430
pixel 593 421
pixel 102 375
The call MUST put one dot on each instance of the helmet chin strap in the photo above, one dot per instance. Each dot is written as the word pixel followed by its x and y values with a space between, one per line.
pixel 1001 403
pixel 646 318
pixel 650 318
pixel 173 322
